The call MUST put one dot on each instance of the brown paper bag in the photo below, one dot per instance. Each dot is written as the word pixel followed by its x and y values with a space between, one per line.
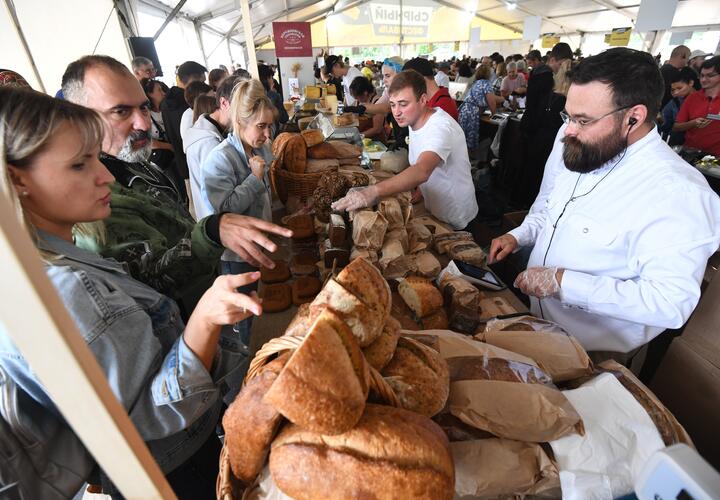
pixel 489 468
pixel 560 355
pixel 369 230
pixel 503 392
pixel 399 234
pixel 390 208
pixel 426 265
pixel 420 237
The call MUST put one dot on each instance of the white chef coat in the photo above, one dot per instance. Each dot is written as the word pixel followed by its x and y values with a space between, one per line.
pixel 634 250
pixel 352 73
pixel 449 193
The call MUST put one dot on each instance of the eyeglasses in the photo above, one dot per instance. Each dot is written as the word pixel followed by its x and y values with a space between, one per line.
pixel 584 122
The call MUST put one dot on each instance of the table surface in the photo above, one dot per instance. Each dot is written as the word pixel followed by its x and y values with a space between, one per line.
pixel 272 325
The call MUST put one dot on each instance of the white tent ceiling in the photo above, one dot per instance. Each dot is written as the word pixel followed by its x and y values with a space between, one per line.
pixel 568 16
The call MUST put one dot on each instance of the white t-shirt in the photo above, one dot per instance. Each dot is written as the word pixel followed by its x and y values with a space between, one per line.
pixel 442 79
pixel 449 192
pixel 352 73
pixel 185 124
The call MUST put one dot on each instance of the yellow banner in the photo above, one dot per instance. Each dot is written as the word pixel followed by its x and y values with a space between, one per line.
pixel 620 37
pixel 549 41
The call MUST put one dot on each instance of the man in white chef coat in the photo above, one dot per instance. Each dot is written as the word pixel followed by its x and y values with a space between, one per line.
pixel 622 228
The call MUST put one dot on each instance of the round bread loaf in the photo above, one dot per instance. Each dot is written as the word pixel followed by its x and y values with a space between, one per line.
pixel 295 156
pixel 419 376
pixel 324 385
pixel 366 282
pixel 250 424
pixel 390 454
pixel 380 352
pixel 420 295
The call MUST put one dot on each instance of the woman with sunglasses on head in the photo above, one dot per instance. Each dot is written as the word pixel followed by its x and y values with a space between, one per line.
pixel 167 375
pixel 163 153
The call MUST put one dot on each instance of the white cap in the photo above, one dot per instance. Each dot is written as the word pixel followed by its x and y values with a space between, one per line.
pixel 698 53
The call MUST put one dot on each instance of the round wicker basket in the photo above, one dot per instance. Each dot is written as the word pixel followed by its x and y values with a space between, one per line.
pixel 227 486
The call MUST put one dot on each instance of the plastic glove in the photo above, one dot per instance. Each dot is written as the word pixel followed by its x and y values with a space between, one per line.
pixel 357 198
pixel 359 109
pixel 540 282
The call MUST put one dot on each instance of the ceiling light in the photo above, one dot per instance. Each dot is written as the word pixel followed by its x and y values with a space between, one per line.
pixel 511 6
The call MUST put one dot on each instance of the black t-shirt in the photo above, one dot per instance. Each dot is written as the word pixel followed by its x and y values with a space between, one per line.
pixel 669 73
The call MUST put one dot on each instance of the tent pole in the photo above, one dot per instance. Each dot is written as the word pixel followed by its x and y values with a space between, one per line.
pixel 169 18
pixel 200 42
pixel 401 26
pixel 13 15
pixel 249 41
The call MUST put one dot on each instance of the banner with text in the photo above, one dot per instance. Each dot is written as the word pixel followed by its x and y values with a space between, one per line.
pixel 386 19
pixel 292 39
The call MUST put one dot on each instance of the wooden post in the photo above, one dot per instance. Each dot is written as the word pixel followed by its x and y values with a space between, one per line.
pixel 43 331
pixel 249 41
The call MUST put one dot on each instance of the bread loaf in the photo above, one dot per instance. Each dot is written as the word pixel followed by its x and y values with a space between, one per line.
pixel 456 290
pixel 250 424
pixel 295 154
pixel 303 264
pixel 312 137
pixel 337 232
pixel 302 226
pixel 419 377
pixel 464 319
pixel 390 454
pixel 278 274
pixel 435 321
pixel 324 385
pixel 420 237
pixel 304 289
pixel 420 295
pixel 346 150
pixel 443 240
pixel 276 297
pixel 301 322
pixel 314 166
pixel 390 208
pixel 278 145
pixel 364 280
pixel 379 353
pixel 335 257
pixel 344 120
pixel 426 265
pixel 468 252
pixel 323 151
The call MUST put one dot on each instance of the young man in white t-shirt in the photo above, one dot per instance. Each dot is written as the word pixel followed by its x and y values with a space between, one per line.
pixel 438 158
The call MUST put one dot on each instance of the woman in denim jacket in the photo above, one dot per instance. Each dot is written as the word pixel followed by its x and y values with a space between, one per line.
pixel 167 375
pixel 235 173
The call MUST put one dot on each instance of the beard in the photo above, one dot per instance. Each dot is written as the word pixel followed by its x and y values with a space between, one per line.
pixel 133 155
pixel 582 157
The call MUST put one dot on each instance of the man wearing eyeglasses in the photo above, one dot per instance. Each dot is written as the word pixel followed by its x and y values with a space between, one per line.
pixel 699 115
pixel 143 68
pixel 622 228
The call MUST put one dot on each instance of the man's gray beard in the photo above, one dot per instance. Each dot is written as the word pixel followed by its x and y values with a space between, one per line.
pixel 130 155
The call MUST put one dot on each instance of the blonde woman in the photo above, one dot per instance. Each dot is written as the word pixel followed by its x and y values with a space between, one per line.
pixel 166 374
pixel 235 173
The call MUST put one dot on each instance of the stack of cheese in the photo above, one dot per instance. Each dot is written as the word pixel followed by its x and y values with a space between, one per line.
pixel 309 408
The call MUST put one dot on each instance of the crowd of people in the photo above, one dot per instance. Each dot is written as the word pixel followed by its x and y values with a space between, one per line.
pixel 138 196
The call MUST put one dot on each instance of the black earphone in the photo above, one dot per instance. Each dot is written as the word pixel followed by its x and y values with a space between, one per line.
pixel 632 121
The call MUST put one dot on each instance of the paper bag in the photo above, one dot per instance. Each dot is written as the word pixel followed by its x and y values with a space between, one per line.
pixel 399 234
pixel 426 265
pixel 560 355
pixel 369 230
pixel 420 237
pixel 390 208
pixel 503 392
pixel 595 466
pixel 489 468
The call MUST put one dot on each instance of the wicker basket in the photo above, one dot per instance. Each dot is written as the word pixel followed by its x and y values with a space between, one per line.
pixel 286 183
pixel 227 486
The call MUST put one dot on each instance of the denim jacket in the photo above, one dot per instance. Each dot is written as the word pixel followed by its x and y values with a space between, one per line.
pixel 229 186
pixel 136 335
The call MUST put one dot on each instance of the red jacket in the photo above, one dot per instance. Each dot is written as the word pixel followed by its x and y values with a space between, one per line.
pixel 442 99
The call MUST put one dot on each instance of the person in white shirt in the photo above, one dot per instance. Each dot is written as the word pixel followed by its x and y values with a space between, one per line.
pixel 343 70
pixel 441 77
pixel 437 154
pixel 623 227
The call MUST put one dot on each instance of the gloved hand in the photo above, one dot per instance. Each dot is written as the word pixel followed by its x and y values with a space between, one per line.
pixel 357 198
pixel 359 109
pixel 540 282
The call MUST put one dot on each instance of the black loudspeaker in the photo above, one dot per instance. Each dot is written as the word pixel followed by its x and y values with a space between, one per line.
pixel 144 46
